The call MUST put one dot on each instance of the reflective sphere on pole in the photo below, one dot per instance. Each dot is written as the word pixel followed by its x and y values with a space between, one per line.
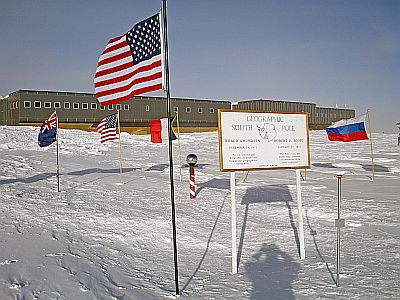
pixel 191 159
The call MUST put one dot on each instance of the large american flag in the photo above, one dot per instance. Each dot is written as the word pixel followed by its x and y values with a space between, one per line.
pixel 131 64
pixel 108 128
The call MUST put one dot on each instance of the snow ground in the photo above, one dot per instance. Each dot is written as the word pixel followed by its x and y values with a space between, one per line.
pixel 97 239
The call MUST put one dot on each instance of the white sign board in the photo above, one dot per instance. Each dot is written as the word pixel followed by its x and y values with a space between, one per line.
pixel 251 140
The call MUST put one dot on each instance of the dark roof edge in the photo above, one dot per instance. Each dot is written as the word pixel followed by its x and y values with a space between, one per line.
pixel 93 95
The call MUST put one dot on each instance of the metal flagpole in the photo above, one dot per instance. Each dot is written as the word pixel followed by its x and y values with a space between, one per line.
pixel 171 170
pixel 58 166
pixel 120 152
pixel 370 142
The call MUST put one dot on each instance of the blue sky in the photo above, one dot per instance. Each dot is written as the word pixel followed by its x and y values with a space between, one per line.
pixel 326 52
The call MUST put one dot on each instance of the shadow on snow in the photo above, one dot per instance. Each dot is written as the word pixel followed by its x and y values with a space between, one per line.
pixel 207 247
pixel 215 183
pixel 272 272
pixel 44 176
pixel 267 194
pixel 377 168
pixel 313 233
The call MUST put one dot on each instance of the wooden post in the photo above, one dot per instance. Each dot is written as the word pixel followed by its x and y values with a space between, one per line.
pixel 58 166
pixel 233 222
pixel 370 142
pixel 300 217
pixel 120 152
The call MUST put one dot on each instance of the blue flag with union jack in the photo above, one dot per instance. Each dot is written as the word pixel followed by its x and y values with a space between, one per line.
pixel 48 131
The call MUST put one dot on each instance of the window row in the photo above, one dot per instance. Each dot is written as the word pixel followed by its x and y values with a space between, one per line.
pixel 75 105
pixel 188 109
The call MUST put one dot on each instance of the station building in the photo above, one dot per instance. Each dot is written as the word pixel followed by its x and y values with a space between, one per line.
pixel 82 110
pixel 318 117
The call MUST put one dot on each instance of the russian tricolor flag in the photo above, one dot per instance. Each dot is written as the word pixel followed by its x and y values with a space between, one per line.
pixel 348 130
pixel 159 130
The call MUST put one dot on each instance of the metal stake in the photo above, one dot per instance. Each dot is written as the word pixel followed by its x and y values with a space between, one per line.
pixel 338 223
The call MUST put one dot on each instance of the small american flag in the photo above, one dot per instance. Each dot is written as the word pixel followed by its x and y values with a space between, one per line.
pixel 131 64
pixel 108 128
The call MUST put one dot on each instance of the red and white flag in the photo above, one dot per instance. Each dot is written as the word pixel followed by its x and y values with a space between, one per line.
pixel 131 64
pixel 159 130
pixel 108 128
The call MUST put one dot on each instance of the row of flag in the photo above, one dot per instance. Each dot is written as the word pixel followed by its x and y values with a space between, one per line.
pixel 344 130
pixel 107 129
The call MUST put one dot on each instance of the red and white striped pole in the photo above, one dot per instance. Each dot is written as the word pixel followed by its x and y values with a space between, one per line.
pixel 192 184
pixel 192 161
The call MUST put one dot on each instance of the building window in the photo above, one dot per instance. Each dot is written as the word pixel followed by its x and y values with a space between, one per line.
pixel 188 109
pixel 67 105
pixel 27 104
pixel 147 107
pixel 102 107
pixel 212 110
pixel 57 104
pixel 126 107
pixel 93 105
pixel 37 104
pixel 85 106
pixel 176 109
pixel 47 105
pixel 200 110
pixel 110 107
pixel 118 107
pixel 75 105
pixel 16 104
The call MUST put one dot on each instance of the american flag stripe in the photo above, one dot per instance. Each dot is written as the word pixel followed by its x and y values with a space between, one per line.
pixel 101 126
pixel 131 64
pixel 149 75
pixel 110 79
pixel 108 135
pixel 122 86
pixel 116 48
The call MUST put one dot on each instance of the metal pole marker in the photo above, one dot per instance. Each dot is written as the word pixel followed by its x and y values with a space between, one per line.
pixel 339 223
pixel 192 161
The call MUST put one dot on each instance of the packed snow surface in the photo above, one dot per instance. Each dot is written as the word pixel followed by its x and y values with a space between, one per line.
pixel 100 239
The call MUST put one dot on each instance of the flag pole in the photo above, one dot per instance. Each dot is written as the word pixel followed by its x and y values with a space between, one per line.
pixel 179 148
pixel 171 170
pixel 370 143
pixel 58 166
pixel 120 152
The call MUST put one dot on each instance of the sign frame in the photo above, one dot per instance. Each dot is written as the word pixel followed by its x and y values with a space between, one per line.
pixel 222 169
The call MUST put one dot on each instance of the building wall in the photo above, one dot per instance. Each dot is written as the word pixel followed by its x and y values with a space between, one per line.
pixel 318 118
pixel 33 107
